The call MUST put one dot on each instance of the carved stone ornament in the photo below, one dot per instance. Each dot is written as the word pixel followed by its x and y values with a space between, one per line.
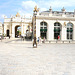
pixel 36 9
pixel 64 24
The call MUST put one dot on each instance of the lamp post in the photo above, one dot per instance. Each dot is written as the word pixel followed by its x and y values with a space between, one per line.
pixel 34 27
pixel 34 31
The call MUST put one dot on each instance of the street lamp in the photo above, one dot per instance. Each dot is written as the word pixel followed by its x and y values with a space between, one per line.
pixel 34 27
pixel 34 31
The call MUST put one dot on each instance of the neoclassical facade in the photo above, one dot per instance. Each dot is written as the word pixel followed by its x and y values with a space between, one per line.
pixel 51 24
pixel 1 28
pixel 11 25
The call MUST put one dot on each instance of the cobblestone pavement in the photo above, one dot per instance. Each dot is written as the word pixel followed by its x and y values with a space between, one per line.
pixel 47 59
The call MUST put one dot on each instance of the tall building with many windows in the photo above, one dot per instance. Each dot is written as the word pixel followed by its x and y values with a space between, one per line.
pixel 51 24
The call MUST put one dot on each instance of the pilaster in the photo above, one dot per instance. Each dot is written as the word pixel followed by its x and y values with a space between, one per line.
pixel 22 29
pixel 74 32
pixel 13 31
pixel 51 30
pixel 37 29
pixel 4 29
pixel 63 33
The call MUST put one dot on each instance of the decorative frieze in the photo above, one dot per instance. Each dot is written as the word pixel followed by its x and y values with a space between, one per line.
pixel 55 18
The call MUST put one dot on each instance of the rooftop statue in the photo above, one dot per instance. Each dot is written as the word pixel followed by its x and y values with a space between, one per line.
pixel 36 9
pixel 63 9
pixel 17 15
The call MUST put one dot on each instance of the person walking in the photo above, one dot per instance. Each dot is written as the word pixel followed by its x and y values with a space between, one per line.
pixel 58 37
pixel 38 40
pixel 9 36
pixel 1 38
pixel 21 37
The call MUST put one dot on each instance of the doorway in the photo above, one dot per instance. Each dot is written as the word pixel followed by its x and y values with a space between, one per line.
pixel 17 31
pixel 57 30
pixel 7 33
pixel 43 34
pixel 69 31
pixel 43 30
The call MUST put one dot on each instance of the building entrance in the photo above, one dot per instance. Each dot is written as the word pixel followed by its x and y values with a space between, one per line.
pixel 17 31
pixel 43 30
pixel 43 35
pixel 57 30
pixel 56 35
pixel 69 31
pixel 7 33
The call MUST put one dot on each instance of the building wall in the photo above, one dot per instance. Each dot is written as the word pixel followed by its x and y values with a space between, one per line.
pixel 50 28
pixel 11 23
pixel 1 29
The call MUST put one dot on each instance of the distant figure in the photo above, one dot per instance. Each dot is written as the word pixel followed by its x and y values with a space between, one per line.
pixel 1 38
pixel 34 43
pixel 44 40
pixel 16 35
pixel 21 37
pixel 9 36
pixel 58 37
pixel 38 40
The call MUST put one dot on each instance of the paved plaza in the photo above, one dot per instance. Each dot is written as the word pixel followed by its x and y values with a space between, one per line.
pixel 47 59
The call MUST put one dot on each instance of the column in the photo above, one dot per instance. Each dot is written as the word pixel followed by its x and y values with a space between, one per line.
pixel 51 30
pixel 37 29
pixel 10 29
pixel 48 30
pixel 74 32
pixel 13 31
pixel 21 29
pixel 4 29
pixel 63 33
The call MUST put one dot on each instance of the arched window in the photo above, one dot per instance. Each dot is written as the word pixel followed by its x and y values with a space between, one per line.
pixel 69 31
pixel 57 29
pixel 43 29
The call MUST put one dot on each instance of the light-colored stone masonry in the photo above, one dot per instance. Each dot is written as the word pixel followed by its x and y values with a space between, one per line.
pixel 47 59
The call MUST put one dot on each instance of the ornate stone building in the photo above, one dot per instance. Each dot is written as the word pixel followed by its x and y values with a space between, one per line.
pixel 1 28
pixel 51 24
pixel 12 24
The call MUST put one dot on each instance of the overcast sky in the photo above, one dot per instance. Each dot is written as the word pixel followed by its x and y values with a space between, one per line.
pixel 25 7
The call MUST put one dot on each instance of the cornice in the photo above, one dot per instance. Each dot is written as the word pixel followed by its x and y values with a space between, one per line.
pixel 56 18
pixel 14 22
pixel 18 22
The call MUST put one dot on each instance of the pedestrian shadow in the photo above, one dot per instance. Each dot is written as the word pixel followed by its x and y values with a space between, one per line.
pixel 29 47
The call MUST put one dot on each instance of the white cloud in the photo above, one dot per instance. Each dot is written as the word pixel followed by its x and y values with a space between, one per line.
pixel 56 4
pixel 43 9
pixel 62 3
pixel 25 14
pixel 28 6
pixel 2 16
pixel 28 15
